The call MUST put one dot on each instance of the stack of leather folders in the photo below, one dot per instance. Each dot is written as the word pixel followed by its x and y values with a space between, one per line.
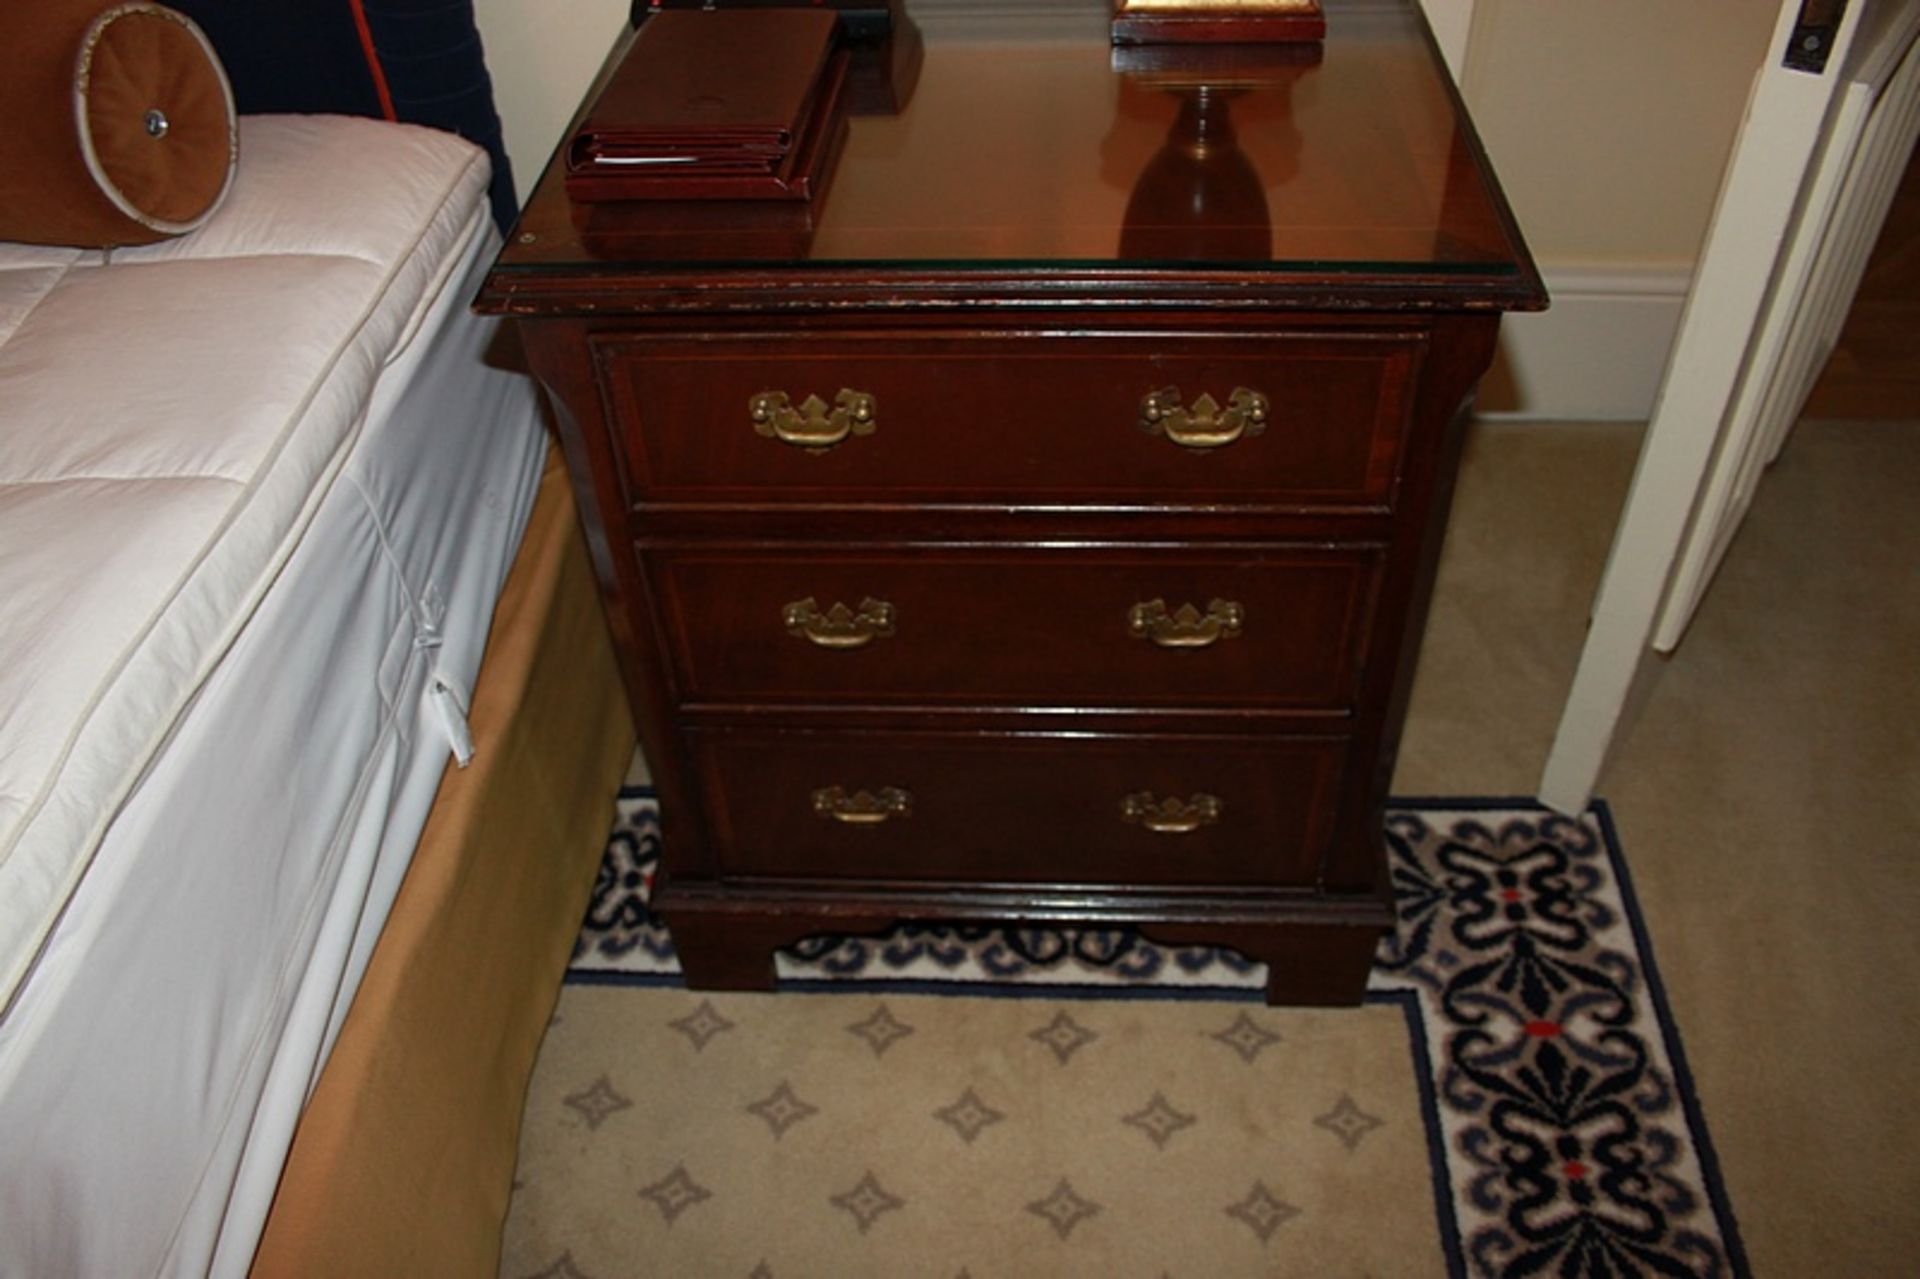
pixel 722 105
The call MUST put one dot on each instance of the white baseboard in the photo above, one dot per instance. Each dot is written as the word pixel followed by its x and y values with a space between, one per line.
pixel 1596 355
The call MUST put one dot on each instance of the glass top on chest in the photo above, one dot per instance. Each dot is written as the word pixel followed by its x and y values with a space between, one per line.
pixel 1350 156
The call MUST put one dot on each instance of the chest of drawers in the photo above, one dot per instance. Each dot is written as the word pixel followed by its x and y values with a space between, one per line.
pixel 985 542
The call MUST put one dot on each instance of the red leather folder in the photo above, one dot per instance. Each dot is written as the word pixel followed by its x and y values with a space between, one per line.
pixel 714 105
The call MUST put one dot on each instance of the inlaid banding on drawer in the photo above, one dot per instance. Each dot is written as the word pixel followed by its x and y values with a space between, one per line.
pixel 1021 808
pixel 1040 418
pixel 1017 626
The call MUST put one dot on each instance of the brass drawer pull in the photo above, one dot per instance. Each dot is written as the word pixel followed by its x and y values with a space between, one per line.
pixel 813 426
pixel 862 808
pixel 839 626
pixel 1187 627
pixel 1205 425
pixel 1171 816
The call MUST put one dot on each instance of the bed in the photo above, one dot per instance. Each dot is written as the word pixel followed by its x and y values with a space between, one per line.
pixel 309 728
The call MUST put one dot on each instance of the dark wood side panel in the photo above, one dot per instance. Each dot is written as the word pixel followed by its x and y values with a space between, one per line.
pixel 1462 347
pixel 1033 417
pixel 557 352
pixel 1278 627
pixel 1007 808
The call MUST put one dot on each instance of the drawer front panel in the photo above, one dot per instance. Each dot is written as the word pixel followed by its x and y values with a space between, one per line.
pixel 1036 418
pixel 1271 627
pixel 1019 809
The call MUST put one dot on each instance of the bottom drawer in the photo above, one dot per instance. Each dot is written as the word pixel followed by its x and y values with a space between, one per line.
pixel 1006 808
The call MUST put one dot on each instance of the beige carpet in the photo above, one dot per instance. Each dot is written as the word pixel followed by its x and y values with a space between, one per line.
pixel 793 1135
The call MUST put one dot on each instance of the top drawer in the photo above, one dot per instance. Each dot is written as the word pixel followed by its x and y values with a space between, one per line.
pixel 1040 418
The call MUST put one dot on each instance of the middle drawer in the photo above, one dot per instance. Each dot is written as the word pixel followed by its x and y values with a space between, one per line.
pixel 1268 626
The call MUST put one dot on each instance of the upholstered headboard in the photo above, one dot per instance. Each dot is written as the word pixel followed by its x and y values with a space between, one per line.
pixel 414 60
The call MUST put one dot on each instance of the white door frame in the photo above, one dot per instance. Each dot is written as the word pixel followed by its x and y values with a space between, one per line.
pixel 1779 136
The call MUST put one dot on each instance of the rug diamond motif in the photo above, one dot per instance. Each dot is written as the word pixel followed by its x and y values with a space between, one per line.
pixel 968 1116
pixel 1247 1037
pixel 867 1202
pixel 1262 1212
pixel 562 1269
pixel 1348 1122
pixel 1063 1209
pixel 882 1030
pixel 1064 1036
pixel 782 1109
pixel 1160 1120
pixel 702 1025
pixel 676 1192
pixel 594 1104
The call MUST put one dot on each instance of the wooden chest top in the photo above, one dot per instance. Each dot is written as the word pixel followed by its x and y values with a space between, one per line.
pixel 1066 173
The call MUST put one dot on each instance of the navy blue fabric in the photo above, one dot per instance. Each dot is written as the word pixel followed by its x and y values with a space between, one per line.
pixel 306 56
pixel 437 75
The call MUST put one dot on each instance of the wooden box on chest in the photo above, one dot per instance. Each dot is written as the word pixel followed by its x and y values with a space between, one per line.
pixel 969 562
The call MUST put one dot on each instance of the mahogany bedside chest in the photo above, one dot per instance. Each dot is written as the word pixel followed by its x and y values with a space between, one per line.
pixel 1038 525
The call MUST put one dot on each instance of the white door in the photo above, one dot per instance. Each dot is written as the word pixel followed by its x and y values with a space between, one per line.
pixel 1850 187
pixel 1828 126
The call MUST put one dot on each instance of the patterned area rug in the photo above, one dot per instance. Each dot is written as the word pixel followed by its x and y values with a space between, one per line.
pixel 1511 1099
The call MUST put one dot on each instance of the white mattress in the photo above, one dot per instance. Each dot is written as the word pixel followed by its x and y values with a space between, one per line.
pixel 258 494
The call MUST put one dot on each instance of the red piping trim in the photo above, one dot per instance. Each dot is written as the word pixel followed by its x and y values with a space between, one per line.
pixel 374 68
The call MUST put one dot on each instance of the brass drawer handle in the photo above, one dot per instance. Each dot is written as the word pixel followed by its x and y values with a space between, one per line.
pixel 839 626
pixel 862 808
pixel 1205 425
pixel 1188 627
pixel 1172 815
pixel 813 426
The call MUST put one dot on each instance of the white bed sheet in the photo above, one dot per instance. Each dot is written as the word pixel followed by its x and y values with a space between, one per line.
pixel 170 416
pixel 156 1059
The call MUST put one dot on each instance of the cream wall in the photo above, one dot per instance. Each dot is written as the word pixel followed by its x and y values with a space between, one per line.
pixel 1610 120
pixel 541 54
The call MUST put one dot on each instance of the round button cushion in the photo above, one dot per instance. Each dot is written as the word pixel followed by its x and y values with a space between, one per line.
pixel 122 124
